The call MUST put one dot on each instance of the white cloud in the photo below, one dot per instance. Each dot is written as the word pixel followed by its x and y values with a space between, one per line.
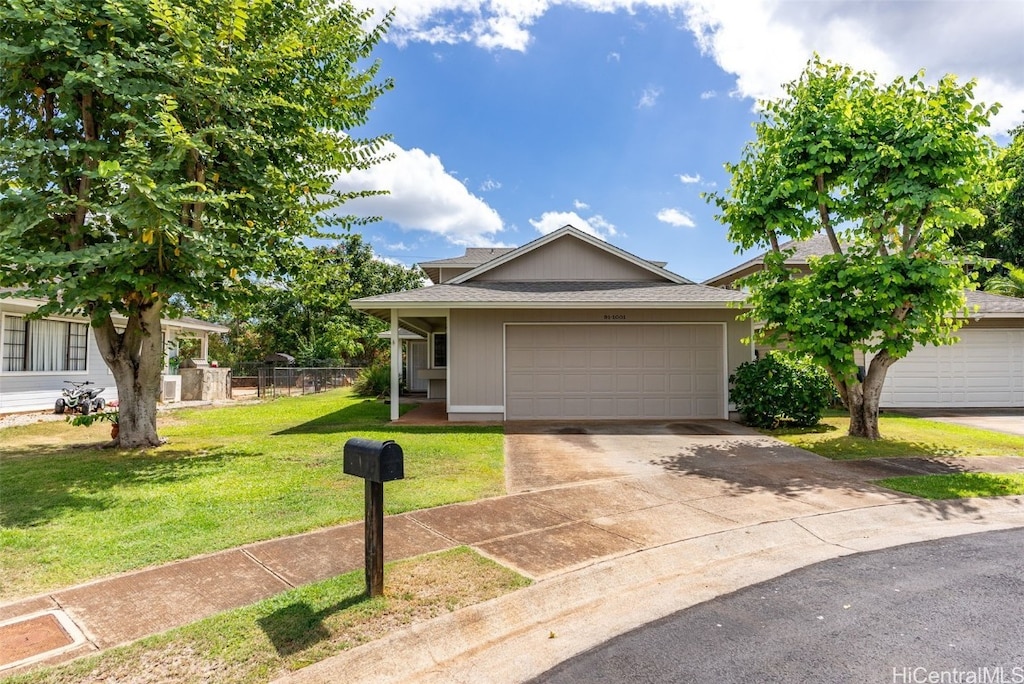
pixel 423 196
pixel 765 43
pixel 614 57
pixel 580 205
pixel 397 247
pixel 596 225
pixel 687 179
pixel 675 217
pixel 489 185
pixel 708 94
pixel 649 98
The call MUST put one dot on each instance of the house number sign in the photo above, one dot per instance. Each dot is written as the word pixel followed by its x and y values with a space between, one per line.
pixel 615 317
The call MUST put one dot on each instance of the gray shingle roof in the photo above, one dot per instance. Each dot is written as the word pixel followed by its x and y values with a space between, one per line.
pixel 815 246
pixel 474 256
pixel 989 303
pixel 527 293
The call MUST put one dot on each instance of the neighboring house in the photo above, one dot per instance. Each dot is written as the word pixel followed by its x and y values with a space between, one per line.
pixel 38 355
pixel 984 370
pixel 568 327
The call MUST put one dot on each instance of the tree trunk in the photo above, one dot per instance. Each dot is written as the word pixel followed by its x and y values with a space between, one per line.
pixel 135 357
pixel 862 398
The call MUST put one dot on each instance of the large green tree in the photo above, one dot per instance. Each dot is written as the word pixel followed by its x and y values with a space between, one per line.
pixel 152 149
pixel 885 170
pixel 1001 236
pixel 309 316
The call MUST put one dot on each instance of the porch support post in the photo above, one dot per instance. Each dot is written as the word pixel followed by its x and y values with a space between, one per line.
pixel 396 364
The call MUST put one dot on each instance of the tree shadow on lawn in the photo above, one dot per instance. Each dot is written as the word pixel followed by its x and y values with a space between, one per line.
pixel 297 626
pixel 369 415
pixel 38 490
pixel 747 467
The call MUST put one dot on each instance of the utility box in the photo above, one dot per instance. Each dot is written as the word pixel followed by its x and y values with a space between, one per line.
pixel 373 460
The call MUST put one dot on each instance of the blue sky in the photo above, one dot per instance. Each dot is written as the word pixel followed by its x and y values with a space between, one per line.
pixel 511 118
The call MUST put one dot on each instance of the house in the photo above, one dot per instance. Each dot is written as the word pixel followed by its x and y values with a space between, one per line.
pixel 567 327
pixel 985 369
pixel 38 355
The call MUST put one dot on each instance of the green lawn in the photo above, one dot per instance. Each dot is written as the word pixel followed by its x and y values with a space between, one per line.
pixel 901 436
pixel 70 511
pixel 266 640
pixel 957 485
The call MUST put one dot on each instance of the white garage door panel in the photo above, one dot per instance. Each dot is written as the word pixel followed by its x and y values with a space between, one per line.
pixel 614 371
pixel 984 370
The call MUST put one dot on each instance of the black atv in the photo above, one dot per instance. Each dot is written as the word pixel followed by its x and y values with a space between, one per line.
pixel 80 397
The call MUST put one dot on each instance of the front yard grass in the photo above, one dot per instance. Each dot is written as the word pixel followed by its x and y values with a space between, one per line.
pixel 71 511
pixel 957 485
pixel 267 640
pixel 902 436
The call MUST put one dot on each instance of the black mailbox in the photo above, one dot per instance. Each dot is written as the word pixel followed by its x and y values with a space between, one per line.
pixel 373 460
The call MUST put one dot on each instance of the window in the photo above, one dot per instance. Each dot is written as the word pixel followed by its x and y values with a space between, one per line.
pixel 44 345
pixel 440 350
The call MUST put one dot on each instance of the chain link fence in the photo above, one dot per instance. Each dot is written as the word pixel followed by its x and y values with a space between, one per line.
pixel 277 381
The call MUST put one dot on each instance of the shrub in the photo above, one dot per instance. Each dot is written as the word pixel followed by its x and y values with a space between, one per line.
pixel 373 380
pixel 781 387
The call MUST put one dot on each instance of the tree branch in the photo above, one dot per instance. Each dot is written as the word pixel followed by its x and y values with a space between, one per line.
pixel 84 181
pixel 826 221
pixel 911 242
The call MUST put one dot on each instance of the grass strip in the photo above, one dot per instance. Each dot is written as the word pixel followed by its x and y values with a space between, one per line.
pixel 957 485
pixel 297 628
pixel 902 436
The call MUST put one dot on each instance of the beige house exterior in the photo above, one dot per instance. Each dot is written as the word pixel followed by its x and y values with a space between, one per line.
pixel 985 369
pixel 567 327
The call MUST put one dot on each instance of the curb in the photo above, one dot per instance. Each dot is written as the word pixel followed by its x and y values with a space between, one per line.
pixel 521 635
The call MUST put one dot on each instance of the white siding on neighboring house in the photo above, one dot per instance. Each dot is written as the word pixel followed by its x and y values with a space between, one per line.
pixel 38 355
pixel 33 374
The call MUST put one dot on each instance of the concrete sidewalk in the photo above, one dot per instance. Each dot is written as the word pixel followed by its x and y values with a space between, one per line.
pixel 611 544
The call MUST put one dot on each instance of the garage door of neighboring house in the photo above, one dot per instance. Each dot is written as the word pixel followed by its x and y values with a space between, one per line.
pixel 614 371
pixel 984 370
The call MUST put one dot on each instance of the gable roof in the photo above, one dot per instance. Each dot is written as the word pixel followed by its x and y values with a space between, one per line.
pixel 569 231
pixel 804 249
pixel 979 303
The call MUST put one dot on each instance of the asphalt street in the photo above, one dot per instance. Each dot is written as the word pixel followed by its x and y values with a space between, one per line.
pixel 943 611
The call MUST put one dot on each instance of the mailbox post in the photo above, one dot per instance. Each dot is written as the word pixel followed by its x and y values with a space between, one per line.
pixel 376 462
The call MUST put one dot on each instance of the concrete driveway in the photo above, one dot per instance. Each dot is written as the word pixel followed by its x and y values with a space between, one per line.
pixel 1010 421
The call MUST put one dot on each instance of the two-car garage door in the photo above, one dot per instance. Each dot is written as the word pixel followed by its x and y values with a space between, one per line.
pixel 614 371
pixel 984 370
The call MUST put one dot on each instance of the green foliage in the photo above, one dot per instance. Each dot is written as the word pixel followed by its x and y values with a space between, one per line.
pixel 781 387
pixel 310 318
pixel 1001 236
pixel 373 381
pixel 159 149
pixel 885 171
pixel 1010 285
pixel 98 417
